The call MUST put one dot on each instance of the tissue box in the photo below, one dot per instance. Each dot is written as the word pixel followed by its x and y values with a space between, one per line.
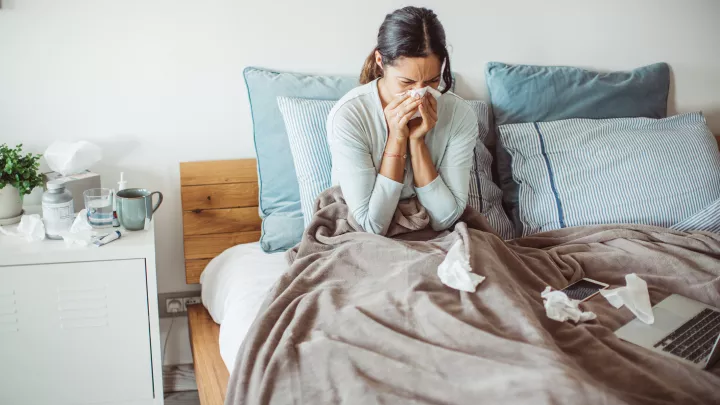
pixel 76 184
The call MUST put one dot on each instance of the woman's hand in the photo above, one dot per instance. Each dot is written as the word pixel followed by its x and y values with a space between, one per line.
pixel 428 111
pixel 398 113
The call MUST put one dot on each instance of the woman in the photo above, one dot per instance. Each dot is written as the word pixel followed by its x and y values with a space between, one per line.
pixel 379 153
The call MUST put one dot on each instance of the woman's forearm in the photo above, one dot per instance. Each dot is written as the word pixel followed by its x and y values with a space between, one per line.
pixel 423 168
pixel 394 158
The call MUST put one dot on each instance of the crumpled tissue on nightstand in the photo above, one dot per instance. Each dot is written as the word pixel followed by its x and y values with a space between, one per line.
pixel 559 307
pixel 455 270
pixel 80 232
pixel 31 228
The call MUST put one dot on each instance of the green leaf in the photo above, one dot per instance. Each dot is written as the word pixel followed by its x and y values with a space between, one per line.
pixel 19 170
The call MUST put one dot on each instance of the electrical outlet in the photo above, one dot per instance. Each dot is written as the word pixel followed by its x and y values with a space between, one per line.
pixel 190 301
pixel 176 302
pixel 174 305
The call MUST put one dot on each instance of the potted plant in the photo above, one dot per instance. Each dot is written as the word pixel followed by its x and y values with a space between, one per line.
pixel 19 175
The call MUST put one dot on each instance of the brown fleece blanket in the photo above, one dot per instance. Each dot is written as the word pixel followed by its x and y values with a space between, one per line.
pixel 364 319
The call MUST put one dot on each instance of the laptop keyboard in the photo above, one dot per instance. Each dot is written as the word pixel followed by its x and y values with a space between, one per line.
pixel 694 339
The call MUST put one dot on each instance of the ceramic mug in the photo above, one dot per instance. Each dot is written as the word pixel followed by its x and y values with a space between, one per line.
pixel 134 207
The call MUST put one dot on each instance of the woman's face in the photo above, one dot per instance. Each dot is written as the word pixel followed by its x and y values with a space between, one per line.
pixel 411 73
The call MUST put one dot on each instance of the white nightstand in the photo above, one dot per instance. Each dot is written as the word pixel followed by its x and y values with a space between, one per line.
pixel 79 325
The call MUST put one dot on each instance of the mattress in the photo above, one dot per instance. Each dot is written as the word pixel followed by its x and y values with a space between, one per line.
pixel 234 285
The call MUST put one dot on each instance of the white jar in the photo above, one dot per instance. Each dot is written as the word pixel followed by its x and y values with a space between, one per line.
pixel 58 210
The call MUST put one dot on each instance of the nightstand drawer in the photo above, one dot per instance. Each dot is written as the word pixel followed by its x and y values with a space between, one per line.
pixel 75 333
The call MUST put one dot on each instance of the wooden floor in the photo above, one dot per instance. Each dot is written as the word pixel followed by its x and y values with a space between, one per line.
pixel 180 377
pixel 179 385
pixel 182 398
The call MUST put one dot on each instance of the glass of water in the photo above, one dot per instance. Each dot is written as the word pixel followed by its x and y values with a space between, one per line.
pixel 99 205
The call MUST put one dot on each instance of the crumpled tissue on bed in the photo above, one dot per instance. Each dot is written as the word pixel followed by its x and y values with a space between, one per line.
pixel 634 296
pixel 559 307
pixel 421 93
pixel 455 270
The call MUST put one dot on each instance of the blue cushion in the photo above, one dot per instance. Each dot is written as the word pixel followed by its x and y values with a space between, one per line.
pixel 279 193
pixel 307 133
pixel 305 121
pixel 625 170
pixel 525 93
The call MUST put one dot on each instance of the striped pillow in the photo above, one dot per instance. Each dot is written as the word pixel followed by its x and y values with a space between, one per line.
pixel 484 195
pixel 707 220
pixel 625 170
pixel 305 124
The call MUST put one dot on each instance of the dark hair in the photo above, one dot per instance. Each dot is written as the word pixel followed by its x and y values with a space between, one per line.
pixel 408 32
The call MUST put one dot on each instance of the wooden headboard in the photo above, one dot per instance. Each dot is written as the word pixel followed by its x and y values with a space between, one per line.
pixel 220 209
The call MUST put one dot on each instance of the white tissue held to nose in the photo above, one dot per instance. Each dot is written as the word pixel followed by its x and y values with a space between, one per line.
pixel 634 296
pixel 455 270
pixel 559 307
pixel 421 93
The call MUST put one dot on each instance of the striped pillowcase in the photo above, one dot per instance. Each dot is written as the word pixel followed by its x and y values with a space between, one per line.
pixel 484 195
pixel 305 124
pixel 625 170
pixel 707 220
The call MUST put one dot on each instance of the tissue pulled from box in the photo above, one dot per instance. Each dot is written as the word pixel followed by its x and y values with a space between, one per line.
pixel 559 307
pixel 634 296
pixel 69 158
pixel 455 270
pixel 31 228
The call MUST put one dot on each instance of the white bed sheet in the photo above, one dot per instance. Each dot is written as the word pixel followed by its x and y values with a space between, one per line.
pixel 234 285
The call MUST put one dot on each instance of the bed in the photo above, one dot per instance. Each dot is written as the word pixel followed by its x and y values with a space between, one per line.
pixel 598 181
pixel 220 217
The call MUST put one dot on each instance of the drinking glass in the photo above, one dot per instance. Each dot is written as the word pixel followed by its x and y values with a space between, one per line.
pixel 99 205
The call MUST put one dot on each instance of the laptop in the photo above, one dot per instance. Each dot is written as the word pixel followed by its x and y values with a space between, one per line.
pixel 684 329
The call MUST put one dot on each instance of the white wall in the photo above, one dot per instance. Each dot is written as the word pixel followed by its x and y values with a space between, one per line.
pixel 156 82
